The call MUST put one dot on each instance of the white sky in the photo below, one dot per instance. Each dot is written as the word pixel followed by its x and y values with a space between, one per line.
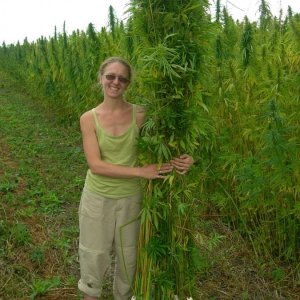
pixel 34 18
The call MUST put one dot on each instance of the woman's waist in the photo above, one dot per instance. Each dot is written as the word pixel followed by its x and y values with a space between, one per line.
pixel 112 186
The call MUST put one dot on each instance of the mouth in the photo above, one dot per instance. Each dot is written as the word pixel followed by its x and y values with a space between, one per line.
pixel 114 90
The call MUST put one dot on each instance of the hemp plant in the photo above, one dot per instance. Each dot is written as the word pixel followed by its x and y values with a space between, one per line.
pixel 169 40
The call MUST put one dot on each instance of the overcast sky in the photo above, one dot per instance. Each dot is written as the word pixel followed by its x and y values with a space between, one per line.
pixel 34 18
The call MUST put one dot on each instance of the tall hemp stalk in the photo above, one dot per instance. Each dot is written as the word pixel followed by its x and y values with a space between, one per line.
pixel 169 42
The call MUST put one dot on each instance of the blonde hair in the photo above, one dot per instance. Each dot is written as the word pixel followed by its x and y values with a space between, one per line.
pixel 115 59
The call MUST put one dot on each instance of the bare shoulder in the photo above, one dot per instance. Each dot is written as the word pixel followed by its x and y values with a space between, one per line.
pixel 140 114
pixel 86 119
pixel 140 109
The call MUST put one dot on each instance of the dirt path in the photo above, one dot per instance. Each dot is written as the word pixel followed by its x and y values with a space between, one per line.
pixel 38 203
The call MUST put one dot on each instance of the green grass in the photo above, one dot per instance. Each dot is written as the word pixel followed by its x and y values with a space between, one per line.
pixel 42 171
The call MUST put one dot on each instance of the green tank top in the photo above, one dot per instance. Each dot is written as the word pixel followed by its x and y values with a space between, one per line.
pixel 120 150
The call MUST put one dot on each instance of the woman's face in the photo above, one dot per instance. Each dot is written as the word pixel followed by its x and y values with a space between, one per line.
pixel 115 80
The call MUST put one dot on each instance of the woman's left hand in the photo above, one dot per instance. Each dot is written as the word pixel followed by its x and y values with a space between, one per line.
pixel 182 163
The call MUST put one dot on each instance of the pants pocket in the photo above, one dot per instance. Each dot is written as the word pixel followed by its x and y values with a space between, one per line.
pixel 90 205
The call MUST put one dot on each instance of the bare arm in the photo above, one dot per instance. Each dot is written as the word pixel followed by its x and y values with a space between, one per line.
pixel 98 166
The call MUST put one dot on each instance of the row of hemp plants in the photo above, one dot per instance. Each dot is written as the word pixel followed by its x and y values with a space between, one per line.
pixel 255 171
pixel 62 69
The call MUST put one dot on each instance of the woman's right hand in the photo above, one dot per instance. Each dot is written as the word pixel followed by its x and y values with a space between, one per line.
pixel 155 171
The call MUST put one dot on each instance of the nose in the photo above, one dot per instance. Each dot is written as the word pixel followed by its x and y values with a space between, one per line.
pixel 116 80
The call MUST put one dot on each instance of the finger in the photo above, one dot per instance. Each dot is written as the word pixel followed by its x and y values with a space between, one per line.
pixel 166 167
pixel 181 167
pixel 181 172
pixel 179 164
pixel 159 176
pixel 179 159
pixel 164 171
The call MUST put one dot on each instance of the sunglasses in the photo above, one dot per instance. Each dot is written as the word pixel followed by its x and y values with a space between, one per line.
pixel 112 77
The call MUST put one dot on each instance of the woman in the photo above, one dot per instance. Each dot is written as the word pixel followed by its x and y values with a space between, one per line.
pixel 110 202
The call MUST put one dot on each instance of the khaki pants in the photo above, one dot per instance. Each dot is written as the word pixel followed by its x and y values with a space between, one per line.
pixel 104 223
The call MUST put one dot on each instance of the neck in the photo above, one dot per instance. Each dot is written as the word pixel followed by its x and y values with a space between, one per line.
pixel 113 103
